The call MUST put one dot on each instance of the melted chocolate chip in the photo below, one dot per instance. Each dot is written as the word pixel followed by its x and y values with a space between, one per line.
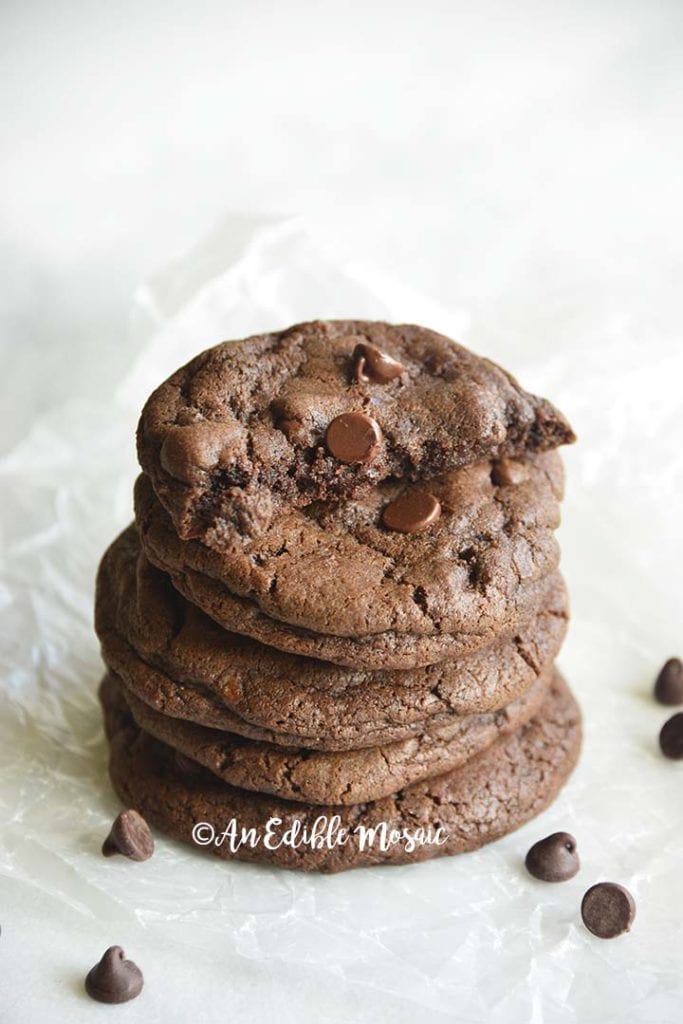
pixel 353 437
pixel 669 683
pixel 507 473
pixel 553 859
pixel 130 835
pixel 671 737
pixel 198 447
pixel 412 512
pixel 608 910
pixel 114 979
pixel 371 365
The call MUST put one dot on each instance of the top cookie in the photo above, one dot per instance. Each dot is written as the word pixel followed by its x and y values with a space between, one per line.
pixel 324 411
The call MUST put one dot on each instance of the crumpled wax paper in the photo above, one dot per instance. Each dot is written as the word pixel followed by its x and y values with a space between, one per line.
pixel 472 938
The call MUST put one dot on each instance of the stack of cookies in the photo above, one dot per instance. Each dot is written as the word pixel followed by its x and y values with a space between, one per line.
pixel 330 633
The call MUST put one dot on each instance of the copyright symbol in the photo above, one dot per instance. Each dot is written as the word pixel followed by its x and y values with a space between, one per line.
pixel 203 833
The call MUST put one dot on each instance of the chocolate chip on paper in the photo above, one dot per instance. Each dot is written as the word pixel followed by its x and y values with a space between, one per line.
pixel 671 737
pixel 553 859
pixel 114 979
pixel 608 910
pixel 669 683
pixel 130 836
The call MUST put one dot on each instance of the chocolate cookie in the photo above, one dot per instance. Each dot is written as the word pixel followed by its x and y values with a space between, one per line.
pixel 183 664
pixel 383 651
pixel 337 777
pixel 491 539
pixel 492 794
pixel 322 411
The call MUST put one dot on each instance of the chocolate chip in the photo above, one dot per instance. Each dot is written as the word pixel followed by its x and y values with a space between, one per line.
pixel 553 859
pixel 669 683
pixel 353 437
pixel 671 737
pixel 373 365
pixel 130 835
pixel 505 473
pixel 608 910
pixel 188 450
pixel 412 512
pixel 114 979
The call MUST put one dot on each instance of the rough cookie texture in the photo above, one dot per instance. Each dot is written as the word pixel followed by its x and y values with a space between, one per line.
pixel 334 777
pixel 489 796
pixel 243 427
pixel 183 664
pixel 408 599
pixel 383 651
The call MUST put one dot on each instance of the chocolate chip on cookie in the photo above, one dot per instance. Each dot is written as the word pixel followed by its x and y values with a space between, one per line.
pixel 130 835
pixel 353 437
pixel 187 451
pixel 669 682
pixel 508 472
pixel 553 859
pixel 114 979
pixel 608 910
pixel 412 512
pixel 371 365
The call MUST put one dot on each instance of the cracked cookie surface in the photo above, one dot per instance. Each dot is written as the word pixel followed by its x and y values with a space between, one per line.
pixel 490 795
pixel 334 777
pixel 185 665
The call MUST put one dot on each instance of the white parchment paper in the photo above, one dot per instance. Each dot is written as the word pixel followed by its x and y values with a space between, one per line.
pixel 469 939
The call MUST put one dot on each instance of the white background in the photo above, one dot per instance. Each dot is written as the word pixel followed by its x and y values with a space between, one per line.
pixel 520 165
